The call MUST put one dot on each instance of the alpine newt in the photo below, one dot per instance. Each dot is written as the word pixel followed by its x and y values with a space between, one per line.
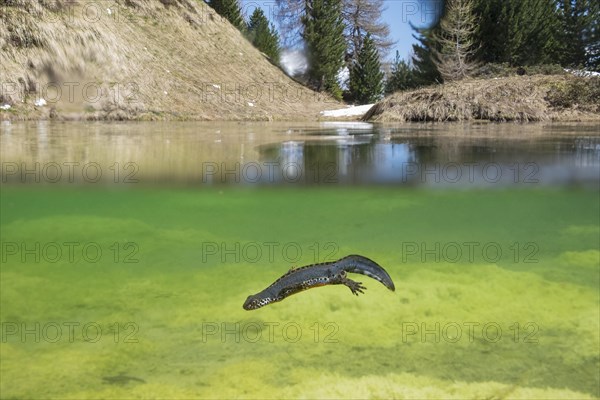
pixel 314 275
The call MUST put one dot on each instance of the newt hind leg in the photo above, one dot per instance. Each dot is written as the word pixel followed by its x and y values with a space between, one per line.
pixel 355 287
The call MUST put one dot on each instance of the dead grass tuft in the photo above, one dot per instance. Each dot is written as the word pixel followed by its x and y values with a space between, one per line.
pixel 517 98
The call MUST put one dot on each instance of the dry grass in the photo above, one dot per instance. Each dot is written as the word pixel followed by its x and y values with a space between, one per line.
pixel 138 59
pixel 517 98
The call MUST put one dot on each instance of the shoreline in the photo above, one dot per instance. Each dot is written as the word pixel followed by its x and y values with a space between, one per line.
pixel 517 99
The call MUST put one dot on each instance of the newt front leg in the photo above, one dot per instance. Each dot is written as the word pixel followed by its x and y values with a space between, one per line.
pixel 355 287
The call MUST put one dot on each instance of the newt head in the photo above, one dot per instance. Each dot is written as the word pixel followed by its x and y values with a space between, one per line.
pixel 255 301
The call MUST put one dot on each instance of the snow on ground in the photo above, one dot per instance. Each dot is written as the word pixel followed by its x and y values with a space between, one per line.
pixel 581 72
pixel 351 111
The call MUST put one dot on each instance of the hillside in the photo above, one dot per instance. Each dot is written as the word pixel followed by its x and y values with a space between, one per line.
pixel 515 98
pixel 138 60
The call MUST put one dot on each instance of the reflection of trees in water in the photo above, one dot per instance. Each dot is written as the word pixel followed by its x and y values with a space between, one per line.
pixel 336 162
pixel 182 152
pixel 587 152
pixel 348 161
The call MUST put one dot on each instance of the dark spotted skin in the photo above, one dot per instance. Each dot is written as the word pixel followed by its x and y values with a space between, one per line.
pixel 314 275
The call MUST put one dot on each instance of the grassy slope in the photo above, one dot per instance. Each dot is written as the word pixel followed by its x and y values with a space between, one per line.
pixel 152 59
pixel 516 98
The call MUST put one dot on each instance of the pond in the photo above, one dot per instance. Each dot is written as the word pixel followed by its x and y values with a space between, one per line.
pixel 129 249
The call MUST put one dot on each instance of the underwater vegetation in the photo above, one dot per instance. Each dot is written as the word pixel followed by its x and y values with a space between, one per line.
pixel 137 293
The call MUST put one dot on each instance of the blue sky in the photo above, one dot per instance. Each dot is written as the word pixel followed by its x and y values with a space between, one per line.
pixel 398 15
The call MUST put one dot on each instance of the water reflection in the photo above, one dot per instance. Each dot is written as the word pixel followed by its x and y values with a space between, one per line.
pixel 438 161
pixel 322 153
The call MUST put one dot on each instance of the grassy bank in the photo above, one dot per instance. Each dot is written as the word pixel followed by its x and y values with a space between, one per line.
pixel 515 98
pixel 138 60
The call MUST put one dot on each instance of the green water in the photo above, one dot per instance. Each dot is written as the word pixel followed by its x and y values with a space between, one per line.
pixel 176 266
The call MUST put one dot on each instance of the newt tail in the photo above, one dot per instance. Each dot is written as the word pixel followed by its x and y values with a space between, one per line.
pixel 314 275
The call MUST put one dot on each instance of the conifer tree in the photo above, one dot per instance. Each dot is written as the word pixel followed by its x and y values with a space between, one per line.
pixel 366 77
pixel 578 18
pixel 263 36
pixel 325 45
pixel 229 9
pixel 402 76
pixel 593 39
pixel 492 32
pixel 534 31
pixel 362 17
pixel 455 41
pixel 573 18
pixel 425 70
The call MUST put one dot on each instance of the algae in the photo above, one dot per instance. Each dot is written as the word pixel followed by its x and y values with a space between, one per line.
pixel 174 319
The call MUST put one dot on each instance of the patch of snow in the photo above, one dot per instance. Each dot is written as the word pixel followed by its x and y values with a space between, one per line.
pixel 583 73
pixel 40 103
pixel 351 111
pixel 5 107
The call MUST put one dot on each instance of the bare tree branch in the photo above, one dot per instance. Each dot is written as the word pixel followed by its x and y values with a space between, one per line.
pixel 360 17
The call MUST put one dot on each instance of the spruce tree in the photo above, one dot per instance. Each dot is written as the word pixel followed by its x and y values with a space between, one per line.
pixel 229 9
pixel 593 39
pixel 578 18
pixel 402 76
pixel 325 45
pixel 424 69
pixel 492 32
pixel 263 36
pixel 366 77
pixel 534 31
